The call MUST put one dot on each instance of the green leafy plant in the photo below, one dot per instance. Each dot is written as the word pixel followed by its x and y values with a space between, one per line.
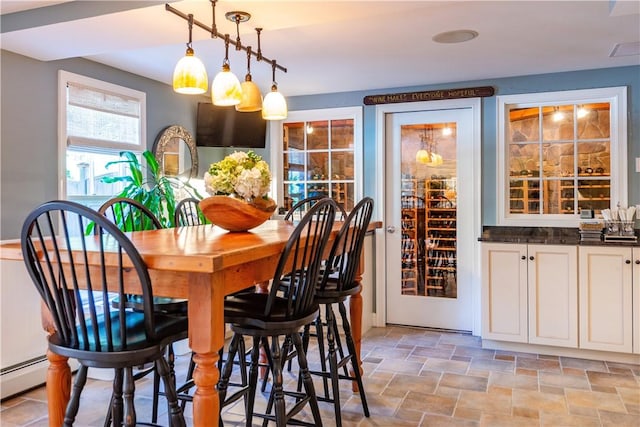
pixel 150 187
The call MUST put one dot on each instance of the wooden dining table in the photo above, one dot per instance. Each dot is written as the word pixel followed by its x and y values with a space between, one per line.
pixel 203 264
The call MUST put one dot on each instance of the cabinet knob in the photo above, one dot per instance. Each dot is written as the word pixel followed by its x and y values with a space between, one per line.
pixel 628 261
pixel 638 261
pixel 531 258
pixel 523 257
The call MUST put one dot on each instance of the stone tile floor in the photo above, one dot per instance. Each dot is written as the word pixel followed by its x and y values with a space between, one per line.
pixel 419 377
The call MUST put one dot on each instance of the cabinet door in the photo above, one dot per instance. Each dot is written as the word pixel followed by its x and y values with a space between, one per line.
pixel 605 291
pixel 553 295
pixel 504 292
pixel 636 300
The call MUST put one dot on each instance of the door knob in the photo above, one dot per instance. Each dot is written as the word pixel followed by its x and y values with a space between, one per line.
pixel 391 229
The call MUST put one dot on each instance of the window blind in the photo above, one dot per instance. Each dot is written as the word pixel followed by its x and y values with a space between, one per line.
pixel 98 118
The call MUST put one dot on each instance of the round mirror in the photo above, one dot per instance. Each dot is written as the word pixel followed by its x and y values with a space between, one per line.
pixel 176 153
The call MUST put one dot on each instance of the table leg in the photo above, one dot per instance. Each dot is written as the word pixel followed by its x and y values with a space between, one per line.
pixel 58 388
pixel 355 312
pixel 206 403
pixel 206 337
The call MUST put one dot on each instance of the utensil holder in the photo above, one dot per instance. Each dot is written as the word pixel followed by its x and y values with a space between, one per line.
pixel 619 228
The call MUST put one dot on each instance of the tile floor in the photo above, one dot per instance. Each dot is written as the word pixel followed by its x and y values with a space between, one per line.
pixel 418 377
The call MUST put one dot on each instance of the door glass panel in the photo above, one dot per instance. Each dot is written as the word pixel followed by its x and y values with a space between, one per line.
pixel 317 135
pixel 428 210
pixel 318 158
pixel 342 133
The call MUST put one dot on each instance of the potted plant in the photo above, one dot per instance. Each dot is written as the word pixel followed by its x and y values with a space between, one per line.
pixel 151 188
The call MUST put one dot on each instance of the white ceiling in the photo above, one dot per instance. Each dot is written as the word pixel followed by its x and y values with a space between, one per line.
pixel 337 46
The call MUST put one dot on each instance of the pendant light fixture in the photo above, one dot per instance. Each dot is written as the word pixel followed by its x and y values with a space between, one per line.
pixel 225 87
pixel 190 76
pixel 274 106
pixel 251 96
pixel 427 153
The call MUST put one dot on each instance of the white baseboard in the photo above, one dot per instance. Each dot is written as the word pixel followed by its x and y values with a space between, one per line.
pixel 23 378
pixel 562 351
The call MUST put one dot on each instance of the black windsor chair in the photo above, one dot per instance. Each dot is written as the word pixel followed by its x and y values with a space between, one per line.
pixel 301 207
pixel 297 212
pixel 88 328
pixel 188 213
pixel 337 284
pixel 289 305
pixel 131 215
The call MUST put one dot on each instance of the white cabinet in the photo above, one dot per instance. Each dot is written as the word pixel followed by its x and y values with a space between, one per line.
pixel 607 295
pixel 530 293
pixel 553 295
pixel 504 292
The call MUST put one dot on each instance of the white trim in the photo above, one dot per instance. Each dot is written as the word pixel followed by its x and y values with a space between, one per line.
pixel 276 136
pixel 616 96
pixel 475 104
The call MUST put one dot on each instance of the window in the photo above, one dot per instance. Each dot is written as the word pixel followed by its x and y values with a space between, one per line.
pixel 560 153
pixel 97 121
pixel 320 155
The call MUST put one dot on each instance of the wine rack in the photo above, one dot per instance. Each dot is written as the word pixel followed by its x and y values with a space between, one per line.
pixel 440 244
pixel 412 216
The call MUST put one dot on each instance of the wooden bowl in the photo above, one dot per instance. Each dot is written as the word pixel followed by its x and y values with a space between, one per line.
pixel 236 215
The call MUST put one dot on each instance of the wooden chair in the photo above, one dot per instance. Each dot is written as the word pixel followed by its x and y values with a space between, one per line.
pixel 337 284
pixel 87 327
pixel 268 317
pixel 188 213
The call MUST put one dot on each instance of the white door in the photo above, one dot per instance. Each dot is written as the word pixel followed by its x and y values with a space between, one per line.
pixel 430 214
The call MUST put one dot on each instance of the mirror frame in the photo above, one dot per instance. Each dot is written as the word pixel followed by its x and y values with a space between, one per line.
pixel 164 138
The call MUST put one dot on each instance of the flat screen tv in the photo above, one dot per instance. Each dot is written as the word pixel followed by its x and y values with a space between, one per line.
pixel 226 127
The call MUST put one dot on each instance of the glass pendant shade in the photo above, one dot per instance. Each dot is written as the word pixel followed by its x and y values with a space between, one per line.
pixel 225 88
pixel 251 96
pixel 190 76
pixel 429 158
pixel 423 156
pixel 274 106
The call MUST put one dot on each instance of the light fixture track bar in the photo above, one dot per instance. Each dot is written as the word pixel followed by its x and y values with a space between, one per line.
pixel 217 34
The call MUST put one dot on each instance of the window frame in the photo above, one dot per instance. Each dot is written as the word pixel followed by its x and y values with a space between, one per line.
pixel 92 145
pixel 276 136
pixel 615 96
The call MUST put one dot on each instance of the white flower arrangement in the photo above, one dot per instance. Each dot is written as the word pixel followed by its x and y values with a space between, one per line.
pixel 241 174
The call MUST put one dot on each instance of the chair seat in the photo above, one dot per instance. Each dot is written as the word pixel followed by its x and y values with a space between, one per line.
pixel 247 311
pixel 168 329
pixel 331 292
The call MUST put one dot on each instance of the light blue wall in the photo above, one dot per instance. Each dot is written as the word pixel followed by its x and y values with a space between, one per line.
pixel 28 149
pixel 29 142
pixel 623 76
pixel 29 128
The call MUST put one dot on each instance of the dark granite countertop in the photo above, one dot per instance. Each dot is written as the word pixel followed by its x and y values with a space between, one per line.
pixel 544 235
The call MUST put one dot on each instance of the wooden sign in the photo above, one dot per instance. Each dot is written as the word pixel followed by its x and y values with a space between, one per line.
pixel 430 95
